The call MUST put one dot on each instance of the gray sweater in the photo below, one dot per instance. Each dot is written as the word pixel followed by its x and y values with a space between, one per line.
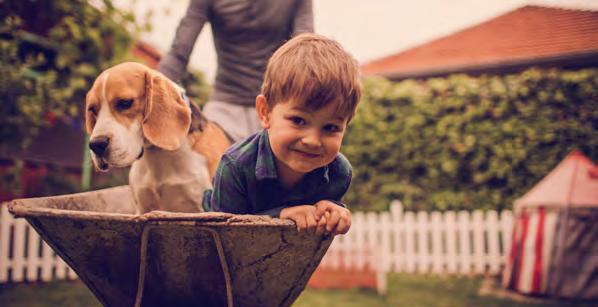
pixel 246 33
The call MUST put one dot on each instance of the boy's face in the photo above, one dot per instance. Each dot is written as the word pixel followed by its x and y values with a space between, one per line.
pixel 301 139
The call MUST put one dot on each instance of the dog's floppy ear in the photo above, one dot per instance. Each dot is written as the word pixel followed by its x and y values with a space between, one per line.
pixel 166 117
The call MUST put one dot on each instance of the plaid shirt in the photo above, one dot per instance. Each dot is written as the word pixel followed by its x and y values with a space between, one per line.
pixel 246 181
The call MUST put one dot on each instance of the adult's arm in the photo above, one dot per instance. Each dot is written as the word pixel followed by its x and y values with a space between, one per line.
pixel 174 63
pixel 304 18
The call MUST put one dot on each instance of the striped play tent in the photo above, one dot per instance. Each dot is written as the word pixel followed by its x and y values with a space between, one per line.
pixel 554 243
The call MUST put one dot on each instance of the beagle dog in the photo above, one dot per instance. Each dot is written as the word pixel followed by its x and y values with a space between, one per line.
pixel 137 117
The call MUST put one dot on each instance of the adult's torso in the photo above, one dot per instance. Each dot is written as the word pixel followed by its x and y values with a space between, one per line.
pixel 246 33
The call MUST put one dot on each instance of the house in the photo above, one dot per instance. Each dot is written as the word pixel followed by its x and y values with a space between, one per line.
pixel 527 36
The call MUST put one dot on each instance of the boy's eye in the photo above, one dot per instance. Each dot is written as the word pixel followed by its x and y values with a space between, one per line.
pixel 297 120
pixel 332 128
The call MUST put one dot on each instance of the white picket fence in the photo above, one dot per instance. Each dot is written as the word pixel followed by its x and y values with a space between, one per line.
pixel 24 256
pixel 421 242
pixel 443 243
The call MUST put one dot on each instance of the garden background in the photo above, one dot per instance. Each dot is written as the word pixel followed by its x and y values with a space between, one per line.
pixel 448 143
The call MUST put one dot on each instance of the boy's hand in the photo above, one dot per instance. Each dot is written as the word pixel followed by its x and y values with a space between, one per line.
pixel 305 218
pixel 338 219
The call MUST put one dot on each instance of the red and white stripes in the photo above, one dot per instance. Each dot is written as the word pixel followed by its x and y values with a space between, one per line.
pixel 530 250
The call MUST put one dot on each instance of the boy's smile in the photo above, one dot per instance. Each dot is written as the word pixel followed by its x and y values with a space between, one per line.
pixel 302 139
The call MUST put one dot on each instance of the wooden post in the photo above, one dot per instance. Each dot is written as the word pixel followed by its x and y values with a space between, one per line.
pixel 398 256
pixel 437 246
pixel 479 250
pixel 464 242
pixel 423 258
pixel 493 242
pixel 410 256
pixel 18 255
pixel 451 241
pixel 5 223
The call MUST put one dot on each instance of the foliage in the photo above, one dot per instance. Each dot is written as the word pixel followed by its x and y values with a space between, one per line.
pixel 57 181
pixel 10 176
pixel 50 51
pixel 464 142
pixel 196 88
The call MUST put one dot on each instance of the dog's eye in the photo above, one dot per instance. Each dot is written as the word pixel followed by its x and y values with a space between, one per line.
pixel 93 111
pixel 123 104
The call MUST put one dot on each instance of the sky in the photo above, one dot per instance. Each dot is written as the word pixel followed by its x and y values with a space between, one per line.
pixel 367 29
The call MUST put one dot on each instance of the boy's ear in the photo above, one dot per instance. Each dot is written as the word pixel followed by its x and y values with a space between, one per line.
pixel 261 107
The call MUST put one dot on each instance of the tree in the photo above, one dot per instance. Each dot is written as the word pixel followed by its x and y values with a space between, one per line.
pixel 50 52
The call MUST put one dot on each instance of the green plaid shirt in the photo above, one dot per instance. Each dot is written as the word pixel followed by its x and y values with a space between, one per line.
pixel 246 181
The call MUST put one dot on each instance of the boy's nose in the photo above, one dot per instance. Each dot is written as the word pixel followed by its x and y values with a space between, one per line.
pixel 311 139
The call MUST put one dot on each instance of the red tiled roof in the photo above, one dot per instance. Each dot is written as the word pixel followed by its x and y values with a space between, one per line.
pixel 526 35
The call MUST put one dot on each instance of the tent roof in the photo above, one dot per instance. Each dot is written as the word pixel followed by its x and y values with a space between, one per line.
pixel 574 183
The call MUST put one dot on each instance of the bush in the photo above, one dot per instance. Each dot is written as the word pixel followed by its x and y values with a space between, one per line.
pixel 50 53
pixel 467 142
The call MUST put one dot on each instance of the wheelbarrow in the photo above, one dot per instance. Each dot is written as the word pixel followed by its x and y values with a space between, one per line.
pixel 174 259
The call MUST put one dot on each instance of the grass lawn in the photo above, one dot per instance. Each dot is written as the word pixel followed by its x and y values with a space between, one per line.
pixel 418 290
pixel 60 293
pixel 403 290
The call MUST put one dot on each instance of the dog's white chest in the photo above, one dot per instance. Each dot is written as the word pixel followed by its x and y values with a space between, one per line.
pixel 170 180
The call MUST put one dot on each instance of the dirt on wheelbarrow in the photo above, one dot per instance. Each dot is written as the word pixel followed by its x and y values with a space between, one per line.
pixel 181 259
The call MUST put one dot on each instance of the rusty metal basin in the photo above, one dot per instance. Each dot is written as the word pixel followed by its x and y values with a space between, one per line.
pixel 173 259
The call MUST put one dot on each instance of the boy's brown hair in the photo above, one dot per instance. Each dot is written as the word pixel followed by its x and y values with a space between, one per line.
pixel 314 70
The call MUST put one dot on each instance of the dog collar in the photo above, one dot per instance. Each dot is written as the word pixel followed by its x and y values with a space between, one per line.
pixel 186 98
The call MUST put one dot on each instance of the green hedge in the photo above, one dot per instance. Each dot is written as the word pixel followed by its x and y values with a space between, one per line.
pixel 50 53
pixel 467 142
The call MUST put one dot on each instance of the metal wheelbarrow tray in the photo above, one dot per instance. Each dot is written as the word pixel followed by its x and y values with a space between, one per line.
pixel 173 259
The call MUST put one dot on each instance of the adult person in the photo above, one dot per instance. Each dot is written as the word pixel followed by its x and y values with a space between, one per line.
pixel 245 33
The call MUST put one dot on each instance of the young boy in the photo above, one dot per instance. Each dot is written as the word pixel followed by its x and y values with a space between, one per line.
pixel 292 169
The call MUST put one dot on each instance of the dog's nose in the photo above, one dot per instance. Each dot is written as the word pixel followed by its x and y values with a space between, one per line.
pixel 99 144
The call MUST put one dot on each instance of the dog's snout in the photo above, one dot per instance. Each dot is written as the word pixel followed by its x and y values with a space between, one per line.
pixel 99 145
